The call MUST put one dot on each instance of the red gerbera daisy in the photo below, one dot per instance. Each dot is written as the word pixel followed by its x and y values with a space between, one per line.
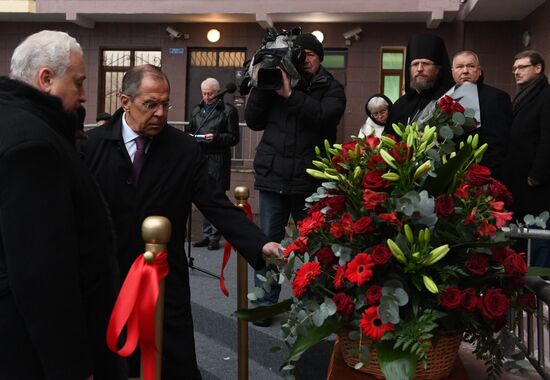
pixel 339 277
pixel 359 269
pixel 372 325
pixel 304 276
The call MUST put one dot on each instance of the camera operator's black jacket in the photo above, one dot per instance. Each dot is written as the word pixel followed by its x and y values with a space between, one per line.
pixel 223 122
pixel 292 128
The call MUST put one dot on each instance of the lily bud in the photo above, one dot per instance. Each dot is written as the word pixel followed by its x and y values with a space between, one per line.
pixel 469 139
pixel 409 233
pixel 357 173
pixel 475 141
pixel 396 251
pixel 391 176
pixel 422 169
pixel 478 155
pixel 421 238
pixel 410 140
pixel 437 254
pixel 388 158
pixel 319 164
pixel 387 141
pixel 320 175
pixel 430 284
pixel 317 150
pixel 397 130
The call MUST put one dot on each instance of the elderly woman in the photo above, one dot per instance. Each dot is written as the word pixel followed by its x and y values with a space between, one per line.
pixel 377 109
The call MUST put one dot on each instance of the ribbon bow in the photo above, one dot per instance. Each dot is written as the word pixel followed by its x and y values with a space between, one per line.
pixel 141 283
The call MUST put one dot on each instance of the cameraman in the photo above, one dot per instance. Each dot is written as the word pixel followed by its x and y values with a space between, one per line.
pixel 294 121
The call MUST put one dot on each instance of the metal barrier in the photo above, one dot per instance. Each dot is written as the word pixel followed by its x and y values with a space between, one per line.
pixel 532 330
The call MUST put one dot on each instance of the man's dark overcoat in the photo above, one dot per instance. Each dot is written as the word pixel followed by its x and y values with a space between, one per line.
pixel 58 270
pixel 174 174
pixel 223 122
pixel 529 152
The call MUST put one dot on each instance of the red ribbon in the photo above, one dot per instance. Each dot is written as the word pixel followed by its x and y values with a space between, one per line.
pixel 228 247
pixel 142 283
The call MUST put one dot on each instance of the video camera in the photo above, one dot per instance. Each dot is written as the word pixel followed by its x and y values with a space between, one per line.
pixel 278 50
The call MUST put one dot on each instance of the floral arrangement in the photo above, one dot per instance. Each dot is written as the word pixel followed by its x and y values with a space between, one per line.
pixel 402 241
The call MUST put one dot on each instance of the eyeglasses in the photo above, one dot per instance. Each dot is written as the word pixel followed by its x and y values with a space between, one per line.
pixel 153 106
pixel 416 65
pixel 379 113
pixel 520 67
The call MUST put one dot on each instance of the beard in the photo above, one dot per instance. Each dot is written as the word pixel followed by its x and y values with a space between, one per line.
pixel 422 83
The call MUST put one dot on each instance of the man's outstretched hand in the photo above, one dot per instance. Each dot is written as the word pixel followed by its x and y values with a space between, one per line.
pixel 272 252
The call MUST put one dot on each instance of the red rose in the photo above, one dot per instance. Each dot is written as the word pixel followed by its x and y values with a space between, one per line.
pixel 477 264
pixel 469 299
pixel 336 203
pixel 326 257
pixel 371 199
pixel 515 265
pixel 457 107
pixel 380 254
pixel 478 175
pixel 444 206
pixel 374 294
pixel 450 298
pixel 499 192
pixel 445 102
pixel 528 300
pixel 373 180
pixel 494 304
pixel 363 225
pixel 498 254
pixel 375 162
pixel 344 305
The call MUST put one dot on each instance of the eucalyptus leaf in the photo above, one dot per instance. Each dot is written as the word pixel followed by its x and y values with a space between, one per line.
pixel 401 296
pixel 331 306
pixel 318 318
pixel 446 132
pixel 358 366
pixel 458 118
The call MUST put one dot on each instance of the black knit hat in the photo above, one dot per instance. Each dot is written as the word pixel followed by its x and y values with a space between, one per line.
pixel 310 42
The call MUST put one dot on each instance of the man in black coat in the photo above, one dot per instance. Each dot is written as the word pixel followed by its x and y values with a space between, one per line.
pixel 495 110
pixel 215 124
pixel 174 173
pixel 427 78
pixel 527 166
pixel 293 121
pixel 58 270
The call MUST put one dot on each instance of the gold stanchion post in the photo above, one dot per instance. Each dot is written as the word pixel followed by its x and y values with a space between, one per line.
pixel 241 194
pixel 156 232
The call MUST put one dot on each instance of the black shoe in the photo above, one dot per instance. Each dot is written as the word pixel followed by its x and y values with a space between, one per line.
pixel 263 322
pixel 213 245
pixel 202 243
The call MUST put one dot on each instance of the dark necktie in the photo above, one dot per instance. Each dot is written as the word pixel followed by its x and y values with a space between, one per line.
pixel 139 157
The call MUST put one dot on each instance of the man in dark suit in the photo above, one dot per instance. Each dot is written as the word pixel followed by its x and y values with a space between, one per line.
pixel 495 109
pixel 174 173
pixel 527 166
pixel 58 270
pixel 427 78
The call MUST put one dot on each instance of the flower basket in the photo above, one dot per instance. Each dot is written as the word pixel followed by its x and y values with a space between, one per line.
pixel 441 358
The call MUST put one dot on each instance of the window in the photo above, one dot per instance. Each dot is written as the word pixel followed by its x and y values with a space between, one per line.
pixel 217 58
pixel 114 63
pixel 334 60
pixel 391 75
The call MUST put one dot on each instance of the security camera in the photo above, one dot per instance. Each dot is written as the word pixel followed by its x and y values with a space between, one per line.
pixel 173 33
pixel 353 33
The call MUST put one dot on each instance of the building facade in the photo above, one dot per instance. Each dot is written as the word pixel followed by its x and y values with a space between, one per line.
pixel 364 40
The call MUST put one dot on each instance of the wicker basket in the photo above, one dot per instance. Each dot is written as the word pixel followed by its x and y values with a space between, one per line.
pixel 441 358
